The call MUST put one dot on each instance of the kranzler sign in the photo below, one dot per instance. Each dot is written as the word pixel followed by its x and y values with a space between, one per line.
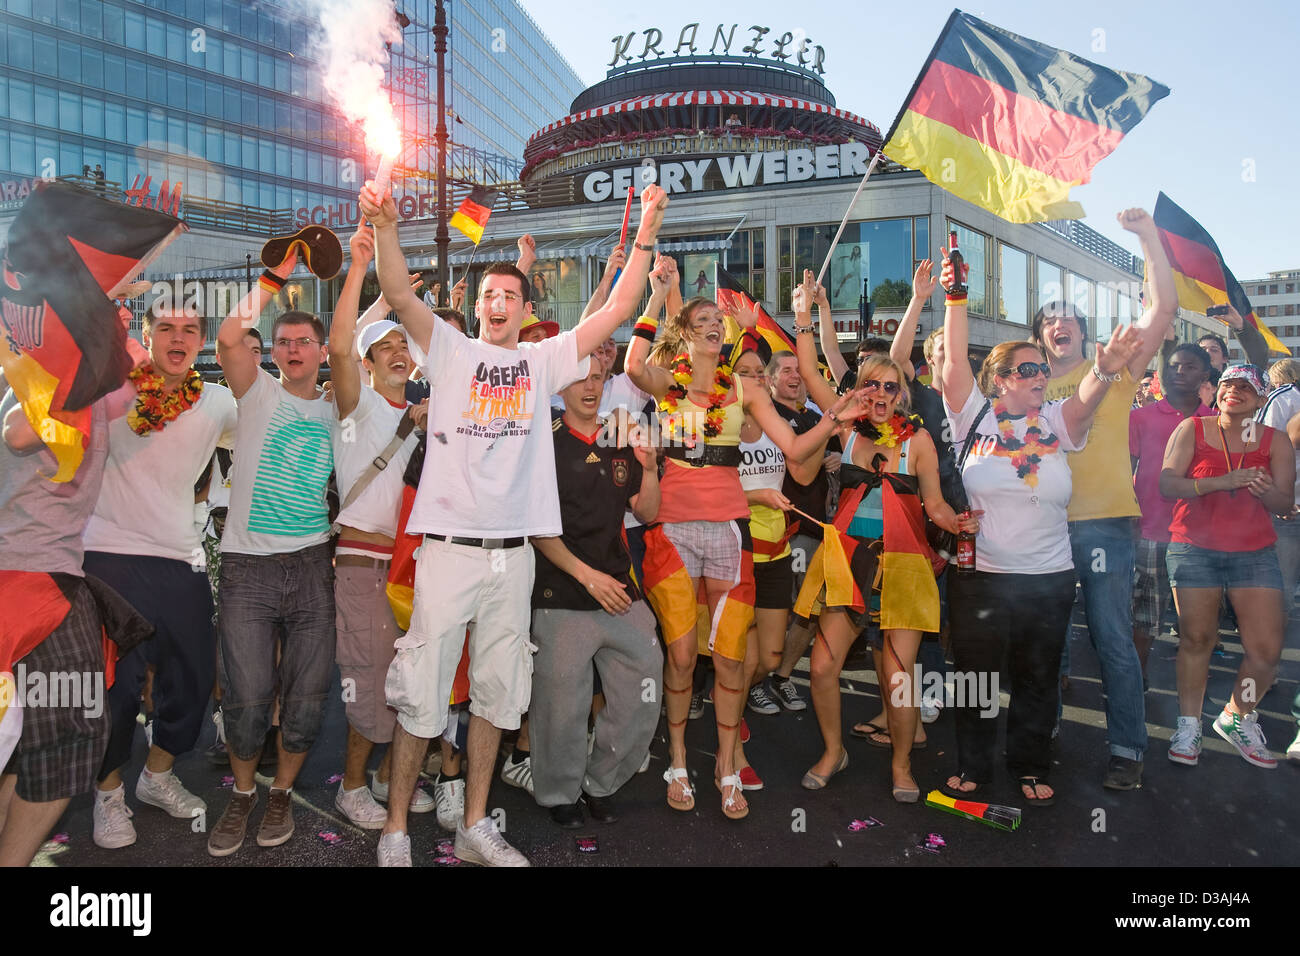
pixel 731 172
pixel 792 46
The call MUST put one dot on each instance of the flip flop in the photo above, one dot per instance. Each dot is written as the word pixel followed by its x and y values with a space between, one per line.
pixel 958 794
pixel 1033 783
pixel 888 743
pixel 854 731
pixel 729 804
pixel 680 773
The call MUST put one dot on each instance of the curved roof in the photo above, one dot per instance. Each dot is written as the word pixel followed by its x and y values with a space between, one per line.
pixel 705 98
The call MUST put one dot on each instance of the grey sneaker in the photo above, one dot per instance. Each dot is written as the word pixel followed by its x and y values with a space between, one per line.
pixel 166 792
pixel 277 822
pixel 482 844
pixel 761 702
pixel 228 836
pixel 449 795
pixel 1185 745
pixel 518 774
pixel 697 706
pixel 359 806
pixel 787 695
pixel 395 849
pixel 1123 774
pixel 112 819
pixel 421 802
pixel 1244 734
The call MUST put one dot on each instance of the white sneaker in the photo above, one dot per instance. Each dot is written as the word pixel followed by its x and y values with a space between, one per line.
pixel 1185 746
pixel 518 774
pixel 645 764
pixel 1244 734
pixel 449 795
pixel 113 827
pixel 359 806
pixel 482 844
pixel 166 792
pixel 1293 752
pixel 395 849
pixel 421 802
pixel 929 711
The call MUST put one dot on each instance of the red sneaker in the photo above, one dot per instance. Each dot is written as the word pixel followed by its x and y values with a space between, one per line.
pixel 749 780
pixel 744 731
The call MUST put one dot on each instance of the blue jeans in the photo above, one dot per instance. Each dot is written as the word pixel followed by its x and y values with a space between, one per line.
pixel 1103 559
pixel 287 598
pixel 1288 558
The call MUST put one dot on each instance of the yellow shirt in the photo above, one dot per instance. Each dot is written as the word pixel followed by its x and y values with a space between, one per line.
pixel 1103 478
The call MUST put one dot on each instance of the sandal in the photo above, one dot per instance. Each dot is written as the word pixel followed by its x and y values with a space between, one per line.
pixel 1033 783
pixel 816 781
pixel 956 792
pixel 729 803
pixel 687 803
pixel 867 731
pixel 887 743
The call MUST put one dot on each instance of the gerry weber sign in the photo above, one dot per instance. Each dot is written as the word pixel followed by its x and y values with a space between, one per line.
pixel 731 172
pixel 792 45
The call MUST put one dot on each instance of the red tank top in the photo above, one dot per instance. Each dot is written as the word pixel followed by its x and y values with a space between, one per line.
pixel 1221 521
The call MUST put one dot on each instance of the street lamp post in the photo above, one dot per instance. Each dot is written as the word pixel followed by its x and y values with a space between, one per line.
pixel 440 138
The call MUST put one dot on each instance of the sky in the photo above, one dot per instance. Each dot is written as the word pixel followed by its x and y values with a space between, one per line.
pixel 1224 145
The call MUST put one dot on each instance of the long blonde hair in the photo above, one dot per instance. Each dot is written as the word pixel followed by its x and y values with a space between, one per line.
pixel 878 362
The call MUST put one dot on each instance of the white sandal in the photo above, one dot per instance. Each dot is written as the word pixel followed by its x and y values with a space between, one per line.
pixel 680 773
pixel 729 803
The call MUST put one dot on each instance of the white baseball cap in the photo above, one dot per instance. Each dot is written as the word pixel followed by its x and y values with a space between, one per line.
pixel 374 332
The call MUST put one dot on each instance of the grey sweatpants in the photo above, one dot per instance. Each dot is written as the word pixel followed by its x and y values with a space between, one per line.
pixel 626 652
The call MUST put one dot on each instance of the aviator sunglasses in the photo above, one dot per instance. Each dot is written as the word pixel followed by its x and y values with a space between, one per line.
pixel 1029 370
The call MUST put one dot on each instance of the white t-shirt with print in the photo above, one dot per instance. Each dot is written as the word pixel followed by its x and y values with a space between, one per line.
pixel 495 476
pixel 358 439
pixel 146 502
pixel 1023 530
pixel 282 464
pixel 1283 403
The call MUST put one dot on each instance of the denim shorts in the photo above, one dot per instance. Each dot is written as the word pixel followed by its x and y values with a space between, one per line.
pixel 1193 567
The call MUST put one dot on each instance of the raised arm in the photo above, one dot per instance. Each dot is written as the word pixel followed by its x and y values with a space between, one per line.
pixel 845 409
pixel 622 303
pixel 819 390
pixel 237 361
pixel 344 372
pixel 923 283
pixel 1252 342
pixel 1163 307
pixel 958 379
pixel 617 259
pixel 650 378
pixel 830 343
pixel 390 267
pixel 1112 358
pixel 527 253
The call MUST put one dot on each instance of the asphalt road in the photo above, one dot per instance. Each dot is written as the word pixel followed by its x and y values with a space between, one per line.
pixel 1224 812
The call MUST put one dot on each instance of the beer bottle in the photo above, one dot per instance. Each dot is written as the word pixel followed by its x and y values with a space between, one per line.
pixel 966 550
pixel 955 257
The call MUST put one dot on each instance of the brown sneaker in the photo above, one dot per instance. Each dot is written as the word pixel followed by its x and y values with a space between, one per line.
pixel 277 824
pixel 229 833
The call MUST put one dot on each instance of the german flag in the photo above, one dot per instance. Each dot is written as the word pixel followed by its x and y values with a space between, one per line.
pixel 1011 124
pixel 1201 276
pixel 67 251
pixel 732 296
pixel 472 216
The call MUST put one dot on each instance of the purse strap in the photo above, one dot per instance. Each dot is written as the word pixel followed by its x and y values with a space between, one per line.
pixel 380 462
pixel 972 435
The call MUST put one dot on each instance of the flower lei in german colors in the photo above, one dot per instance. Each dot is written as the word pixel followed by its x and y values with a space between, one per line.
pixel 897 429
pixel 154 405
pixel 682 372
pixel 1025 455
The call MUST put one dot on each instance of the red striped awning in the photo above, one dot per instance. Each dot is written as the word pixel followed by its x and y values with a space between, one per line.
pixel 705 98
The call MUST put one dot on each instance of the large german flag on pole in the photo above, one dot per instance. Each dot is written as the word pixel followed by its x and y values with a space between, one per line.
pixel 732 295
pixel 1011 124
pixel 472 216
pixel 64 341
pixel 1201 276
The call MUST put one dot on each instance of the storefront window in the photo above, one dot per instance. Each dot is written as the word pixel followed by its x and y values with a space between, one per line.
pixel 1013 285
pixel 1081 294
pixel 1104 321
pixel 974 249
pixel 1051 283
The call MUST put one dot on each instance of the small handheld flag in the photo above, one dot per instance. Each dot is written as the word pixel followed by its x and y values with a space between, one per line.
pixel 1010 124
pixel 472 216
pixel 1201 276
pixel 990 814
pixel 731 295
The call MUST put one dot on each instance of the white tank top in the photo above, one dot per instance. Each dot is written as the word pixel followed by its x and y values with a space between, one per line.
pixel 762 465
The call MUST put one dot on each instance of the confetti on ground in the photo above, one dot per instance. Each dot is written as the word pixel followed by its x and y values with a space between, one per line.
pixel 587 844
pixel 933 844
pixel 59 838
pixel 867 824
pixel 330 837
pixel 445 848
pixel 335 779
pixel 227 783
pixel 447 861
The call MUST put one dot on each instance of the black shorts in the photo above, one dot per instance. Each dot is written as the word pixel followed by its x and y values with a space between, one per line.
pixel 774 583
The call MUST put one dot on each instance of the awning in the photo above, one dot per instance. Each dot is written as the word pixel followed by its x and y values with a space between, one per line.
pixel 695 245
pixel 706 98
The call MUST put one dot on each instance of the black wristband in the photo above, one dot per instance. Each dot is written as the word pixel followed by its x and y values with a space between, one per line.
pixel 643 333
pixel 273 280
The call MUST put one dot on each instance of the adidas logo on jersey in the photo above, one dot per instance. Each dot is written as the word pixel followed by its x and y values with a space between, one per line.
pixel 593 458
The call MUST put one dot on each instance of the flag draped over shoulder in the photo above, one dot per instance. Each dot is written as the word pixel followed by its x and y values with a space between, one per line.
pixel 475 210
pixel 64 347
pixel 1011 124
pixel 732 295
pixel 1201 276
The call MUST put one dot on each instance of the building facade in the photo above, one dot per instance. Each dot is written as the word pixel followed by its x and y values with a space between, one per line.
pixel 1276 299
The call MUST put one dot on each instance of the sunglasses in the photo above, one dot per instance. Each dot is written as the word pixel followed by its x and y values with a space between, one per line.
pixel 1029 370
pixel 889 388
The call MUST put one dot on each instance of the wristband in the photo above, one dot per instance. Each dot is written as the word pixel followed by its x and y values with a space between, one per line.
pixel 271 282
pixel 955 298
pixel 637 245
pixel 835 419
pixel 804 329
pixel 646 328
pixel 1196 487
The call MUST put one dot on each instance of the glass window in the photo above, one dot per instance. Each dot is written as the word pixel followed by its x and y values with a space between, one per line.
pixel 44 55
pixel 281 159
pixel 134 30
pixel 265 113
pixel 213 100
pixel 113 20
pixel 22 157
pixel 1125 307
pixel 137 79
pixel 232 150
pixel 92 117
pixel 176 43
pixel 70 14
pixel 249 144
pixel 4 150
pixel 921 248
pixel 136 131
pixel 231 68
pixel 265 71
pixel 92 68
pixel 20 101
pixel 156 86
pixel 249 102
pixel 115 168
pixel 155 34
pixel 176 134
pixel 175 89
pixel 282 75
pixel 69 61
pixel 115 122
pixel 20 48
pixel 114 73
pixel 47 103
pixel 265 156
pixel 1104 320
pixel 298 163
pixel 298 118
pixel 212 58
pixel 194 97
pixel 1081 294
pixel 21 7
pixel 974 249
pixel 212 144
pixel 1051 283
pixel 313 167
pixel 248 66
pixel 69 159
pixel 194 139
pixel 157 127
pixel 1013 284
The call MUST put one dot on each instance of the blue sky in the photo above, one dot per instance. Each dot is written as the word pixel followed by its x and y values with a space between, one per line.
pixel 1224 144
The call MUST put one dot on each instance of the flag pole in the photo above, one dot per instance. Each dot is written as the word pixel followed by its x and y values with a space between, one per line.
pixel 845 221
